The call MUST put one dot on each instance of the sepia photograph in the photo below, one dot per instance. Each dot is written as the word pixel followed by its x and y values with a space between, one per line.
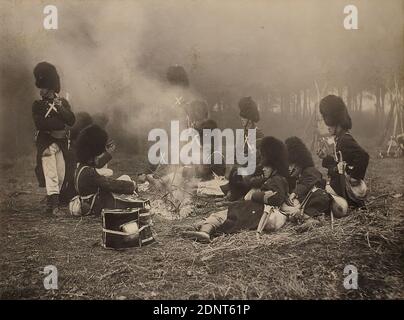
pixel 220 153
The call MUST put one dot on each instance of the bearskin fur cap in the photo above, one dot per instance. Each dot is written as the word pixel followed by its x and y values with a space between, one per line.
pixel 198 110
pixel 249 109
pixel 274 155
pixel 176 75
pixel 83 119
pixel 209 124
pixel 90 143
pixel 335 112
pixel 100 119
pixel 46 77
pixel 298 153
pixel 206 124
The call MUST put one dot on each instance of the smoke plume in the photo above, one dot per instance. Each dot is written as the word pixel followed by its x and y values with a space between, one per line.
pixel 112 55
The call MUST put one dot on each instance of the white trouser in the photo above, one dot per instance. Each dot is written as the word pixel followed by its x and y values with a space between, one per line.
pixel 53 165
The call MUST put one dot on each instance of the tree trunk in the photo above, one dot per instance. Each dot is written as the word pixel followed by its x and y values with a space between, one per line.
pixel 340 91
pixel 304 102
pixel 282 104
pixel 349 98
pixel 299 104
pixel 377 105
pixel 382 97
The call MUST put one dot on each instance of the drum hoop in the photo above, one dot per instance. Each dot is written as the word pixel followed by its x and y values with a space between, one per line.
pixel 125 233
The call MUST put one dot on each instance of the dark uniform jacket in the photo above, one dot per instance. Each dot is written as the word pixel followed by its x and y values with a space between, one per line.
pixel 353 154
pixel 246 214
pixel 55 121
pixel 309 177
pixel 89 182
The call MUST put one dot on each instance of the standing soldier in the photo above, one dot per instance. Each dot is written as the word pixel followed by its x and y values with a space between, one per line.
pixel 347 166
pixel 250 116
pixel 51 115
pixel 179 87
pixel 239 185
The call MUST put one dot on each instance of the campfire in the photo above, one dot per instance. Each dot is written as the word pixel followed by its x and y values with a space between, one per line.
pixel 171 193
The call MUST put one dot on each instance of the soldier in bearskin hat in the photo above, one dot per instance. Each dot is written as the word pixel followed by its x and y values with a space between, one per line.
pixel 92 187
pixel 250 116
pixel 51 115
pixel 247 213
pixel 238 185
pixel 207 171
pixel 179 83
pixel 347 166
pixel 248 112
pixel 306 182
pixel 83 120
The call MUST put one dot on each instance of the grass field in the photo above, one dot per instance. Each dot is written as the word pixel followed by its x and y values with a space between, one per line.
pixel 289 264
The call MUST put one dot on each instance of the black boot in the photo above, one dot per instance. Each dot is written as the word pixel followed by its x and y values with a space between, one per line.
pixel 48 204
pixel 54 204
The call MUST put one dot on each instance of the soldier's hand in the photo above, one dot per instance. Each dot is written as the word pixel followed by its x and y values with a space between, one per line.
pixel 321 153
pixel 341 167
pixel 289 200
pixel 248 196
pixel 141 178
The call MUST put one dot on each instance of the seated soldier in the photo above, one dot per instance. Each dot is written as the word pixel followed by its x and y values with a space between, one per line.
pixel 247 214
pixel 347 166
pixel 306 181
pixel 94 189
pixel 83 120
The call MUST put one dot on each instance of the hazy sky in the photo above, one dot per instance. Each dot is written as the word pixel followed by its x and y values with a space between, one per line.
pixel 114 54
